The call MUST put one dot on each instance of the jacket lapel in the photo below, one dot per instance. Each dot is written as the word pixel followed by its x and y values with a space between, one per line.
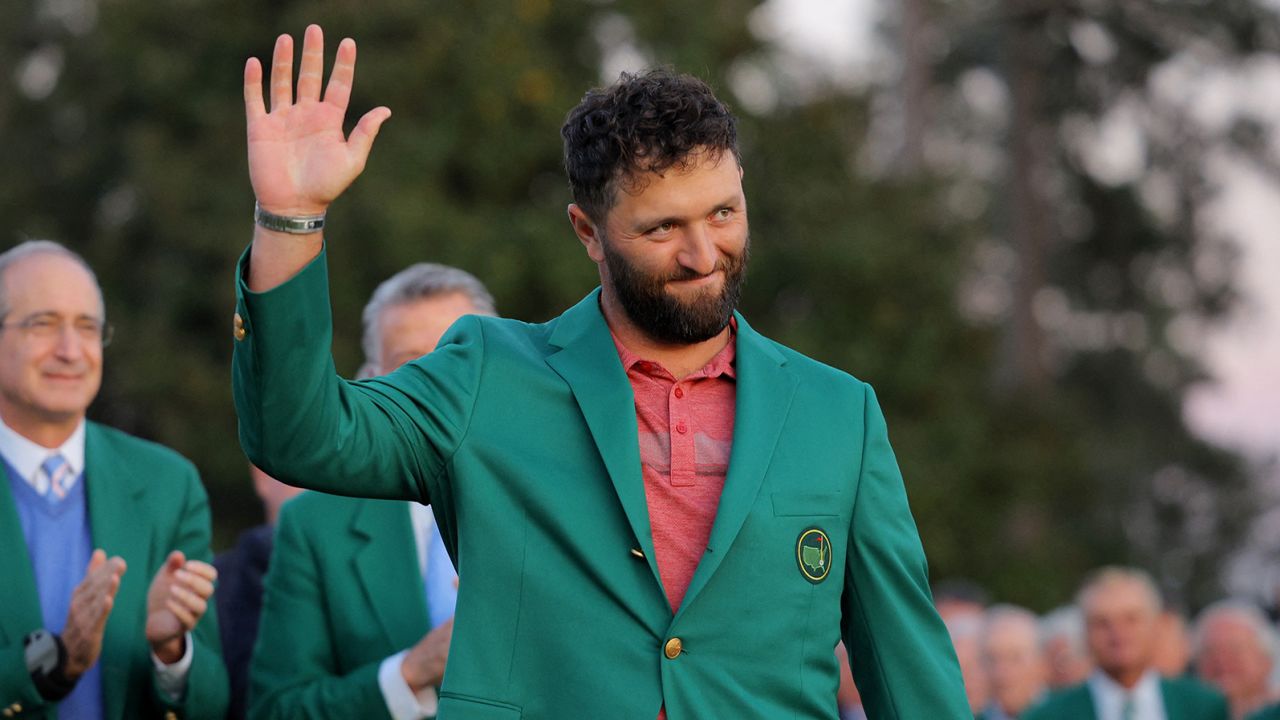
pixel 22 603
pixel 114 488
pixel 588 362
pixel 765 389
pixel 388 574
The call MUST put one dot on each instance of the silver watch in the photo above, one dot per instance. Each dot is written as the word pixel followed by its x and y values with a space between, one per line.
pixel 292 224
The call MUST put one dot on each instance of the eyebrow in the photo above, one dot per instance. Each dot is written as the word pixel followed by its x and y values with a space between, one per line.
pixel 645 224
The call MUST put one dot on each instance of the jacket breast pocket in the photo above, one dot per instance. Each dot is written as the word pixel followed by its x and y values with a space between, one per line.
pixel 807 504
pixel 464 707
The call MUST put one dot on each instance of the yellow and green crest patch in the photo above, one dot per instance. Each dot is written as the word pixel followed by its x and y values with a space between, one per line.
pixel 813 554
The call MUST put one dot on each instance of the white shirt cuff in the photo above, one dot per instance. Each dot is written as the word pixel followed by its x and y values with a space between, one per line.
pixel 171 680
pixel 402 702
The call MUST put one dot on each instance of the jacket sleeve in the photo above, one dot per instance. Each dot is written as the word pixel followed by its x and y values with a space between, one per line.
pixel 389 437
pixel 207 693
pixel 294 672
pixel 900 652
pixel 16 687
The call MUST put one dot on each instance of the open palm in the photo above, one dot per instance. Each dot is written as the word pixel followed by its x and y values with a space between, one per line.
pixel 299 159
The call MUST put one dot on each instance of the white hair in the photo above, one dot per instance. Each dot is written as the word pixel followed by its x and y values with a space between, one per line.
pixel 1005 613
pixel 1239 609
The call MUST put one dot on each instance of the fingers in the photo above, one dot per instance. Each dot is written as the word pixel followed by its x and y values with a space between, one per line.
pixel 254 107
pixel 196 580
pixel 365 132
pixel 101 568
pixel 343 76
pixel 174 561
pixel 311 70
pixel 186 606
pixel 282 73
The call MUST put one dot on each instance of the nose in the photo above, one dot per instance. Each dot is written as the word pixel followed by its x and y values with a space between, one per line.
pixel 699 251
pixel 69 344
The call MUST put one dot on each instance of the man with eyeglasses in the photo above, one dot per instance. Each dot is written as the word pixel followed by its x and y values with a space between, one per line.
pixel 82 503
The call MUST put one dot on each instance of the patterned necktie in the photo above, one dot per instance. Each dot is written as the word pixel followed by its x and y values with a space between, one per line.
pixel 58 472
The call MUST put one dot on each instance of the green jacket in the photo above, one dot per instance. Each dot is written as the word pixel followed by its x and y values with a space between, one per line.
pixel 1271 712
pixel 1183 700
pixel 144 501
pixel 343 592
pixel 523 439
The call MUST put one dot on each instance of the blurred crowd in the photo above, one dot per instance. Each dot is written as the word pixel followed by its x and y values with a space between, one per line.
pixel 1116 636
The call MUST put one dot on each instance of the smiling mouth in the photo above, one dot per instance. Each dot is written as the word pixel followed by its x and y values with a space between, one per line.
pixel 63 378
pixel 696 281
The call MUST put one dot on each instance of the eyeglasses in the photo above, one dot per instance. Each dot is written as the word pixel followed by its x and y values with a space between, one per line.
pixel 47 326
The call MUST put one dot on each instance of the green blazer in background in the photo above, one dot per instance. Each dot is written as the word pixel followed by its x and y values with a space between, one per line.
pixel 1271 712
pixel 523 439
pixel 144 500
pixel 342 593
pixel 1183 700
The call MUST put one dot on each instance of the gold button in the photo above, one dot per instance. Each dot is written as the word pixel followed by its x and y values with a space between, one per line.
pixel 170 716
pixel 17 707
pixel 8 712
pixel 239 332
pixel 673 648
pixel 638 553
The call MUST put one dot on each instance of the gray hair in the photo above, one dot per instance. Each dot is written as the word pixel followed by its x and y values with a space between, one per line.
pixel 31 248
pixel 1064 622
pixel 1116 573
pixel 1006 613
pixel 419 281
pixel 1243 610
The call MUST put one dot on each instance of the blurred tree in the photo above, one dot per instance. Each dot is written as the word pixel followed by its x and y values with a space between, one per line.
pixel 1093 171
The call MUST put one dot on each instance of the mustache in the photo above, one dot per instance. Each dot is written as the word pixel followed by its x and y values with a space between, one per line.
pixel 725 265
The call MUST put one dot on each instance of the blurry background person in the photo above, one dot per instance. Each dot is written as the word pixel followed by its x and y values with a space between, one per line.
pixel 1121 609
pixel 1235 652
pixel 95 643
pixel 370 643
pixel 1062 637
pixel 1172 655
pixel 1013 660
pixel 966 629
pixel 239 597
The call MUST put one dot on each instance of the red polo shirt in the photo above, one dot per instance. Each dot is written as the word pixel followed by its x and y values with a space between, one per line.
pixel 686 433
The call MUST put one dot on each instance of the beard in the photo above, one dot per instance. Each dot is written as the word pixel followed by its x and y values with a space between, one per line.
pixel 667 318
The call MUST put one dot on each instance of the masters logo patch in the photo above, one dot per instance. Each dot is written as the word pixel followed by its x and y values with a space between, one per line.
pixel 813 555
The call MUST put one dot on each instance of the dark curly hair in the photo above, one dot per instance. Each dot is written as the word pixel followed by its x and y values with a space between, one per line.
pixel 645 122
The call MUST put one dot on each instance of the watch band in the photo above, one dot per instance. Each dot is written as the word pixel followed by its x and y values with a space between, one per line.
pixel 292 224
pixel 46 659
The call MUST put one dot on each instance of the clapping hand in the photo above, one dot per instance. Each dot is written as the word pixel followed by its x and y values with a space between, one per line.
pixel 178 598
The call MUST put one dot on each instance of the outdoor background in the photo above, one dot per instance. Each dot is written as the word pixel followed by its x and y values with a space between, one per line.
pixel 1045 231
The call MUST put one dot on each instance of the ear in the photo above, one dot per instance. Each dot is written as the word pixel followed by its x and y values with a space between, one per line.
pixel 588 234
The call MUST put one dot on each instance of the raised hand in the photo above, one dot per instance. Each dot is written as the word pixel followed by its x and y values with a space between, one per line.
pixel 299 160
pixel 91 604
pixel 178 598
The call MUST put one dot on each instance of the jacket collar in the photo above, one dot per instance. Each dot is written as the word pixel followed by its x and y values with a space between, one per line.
pixel 588 361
